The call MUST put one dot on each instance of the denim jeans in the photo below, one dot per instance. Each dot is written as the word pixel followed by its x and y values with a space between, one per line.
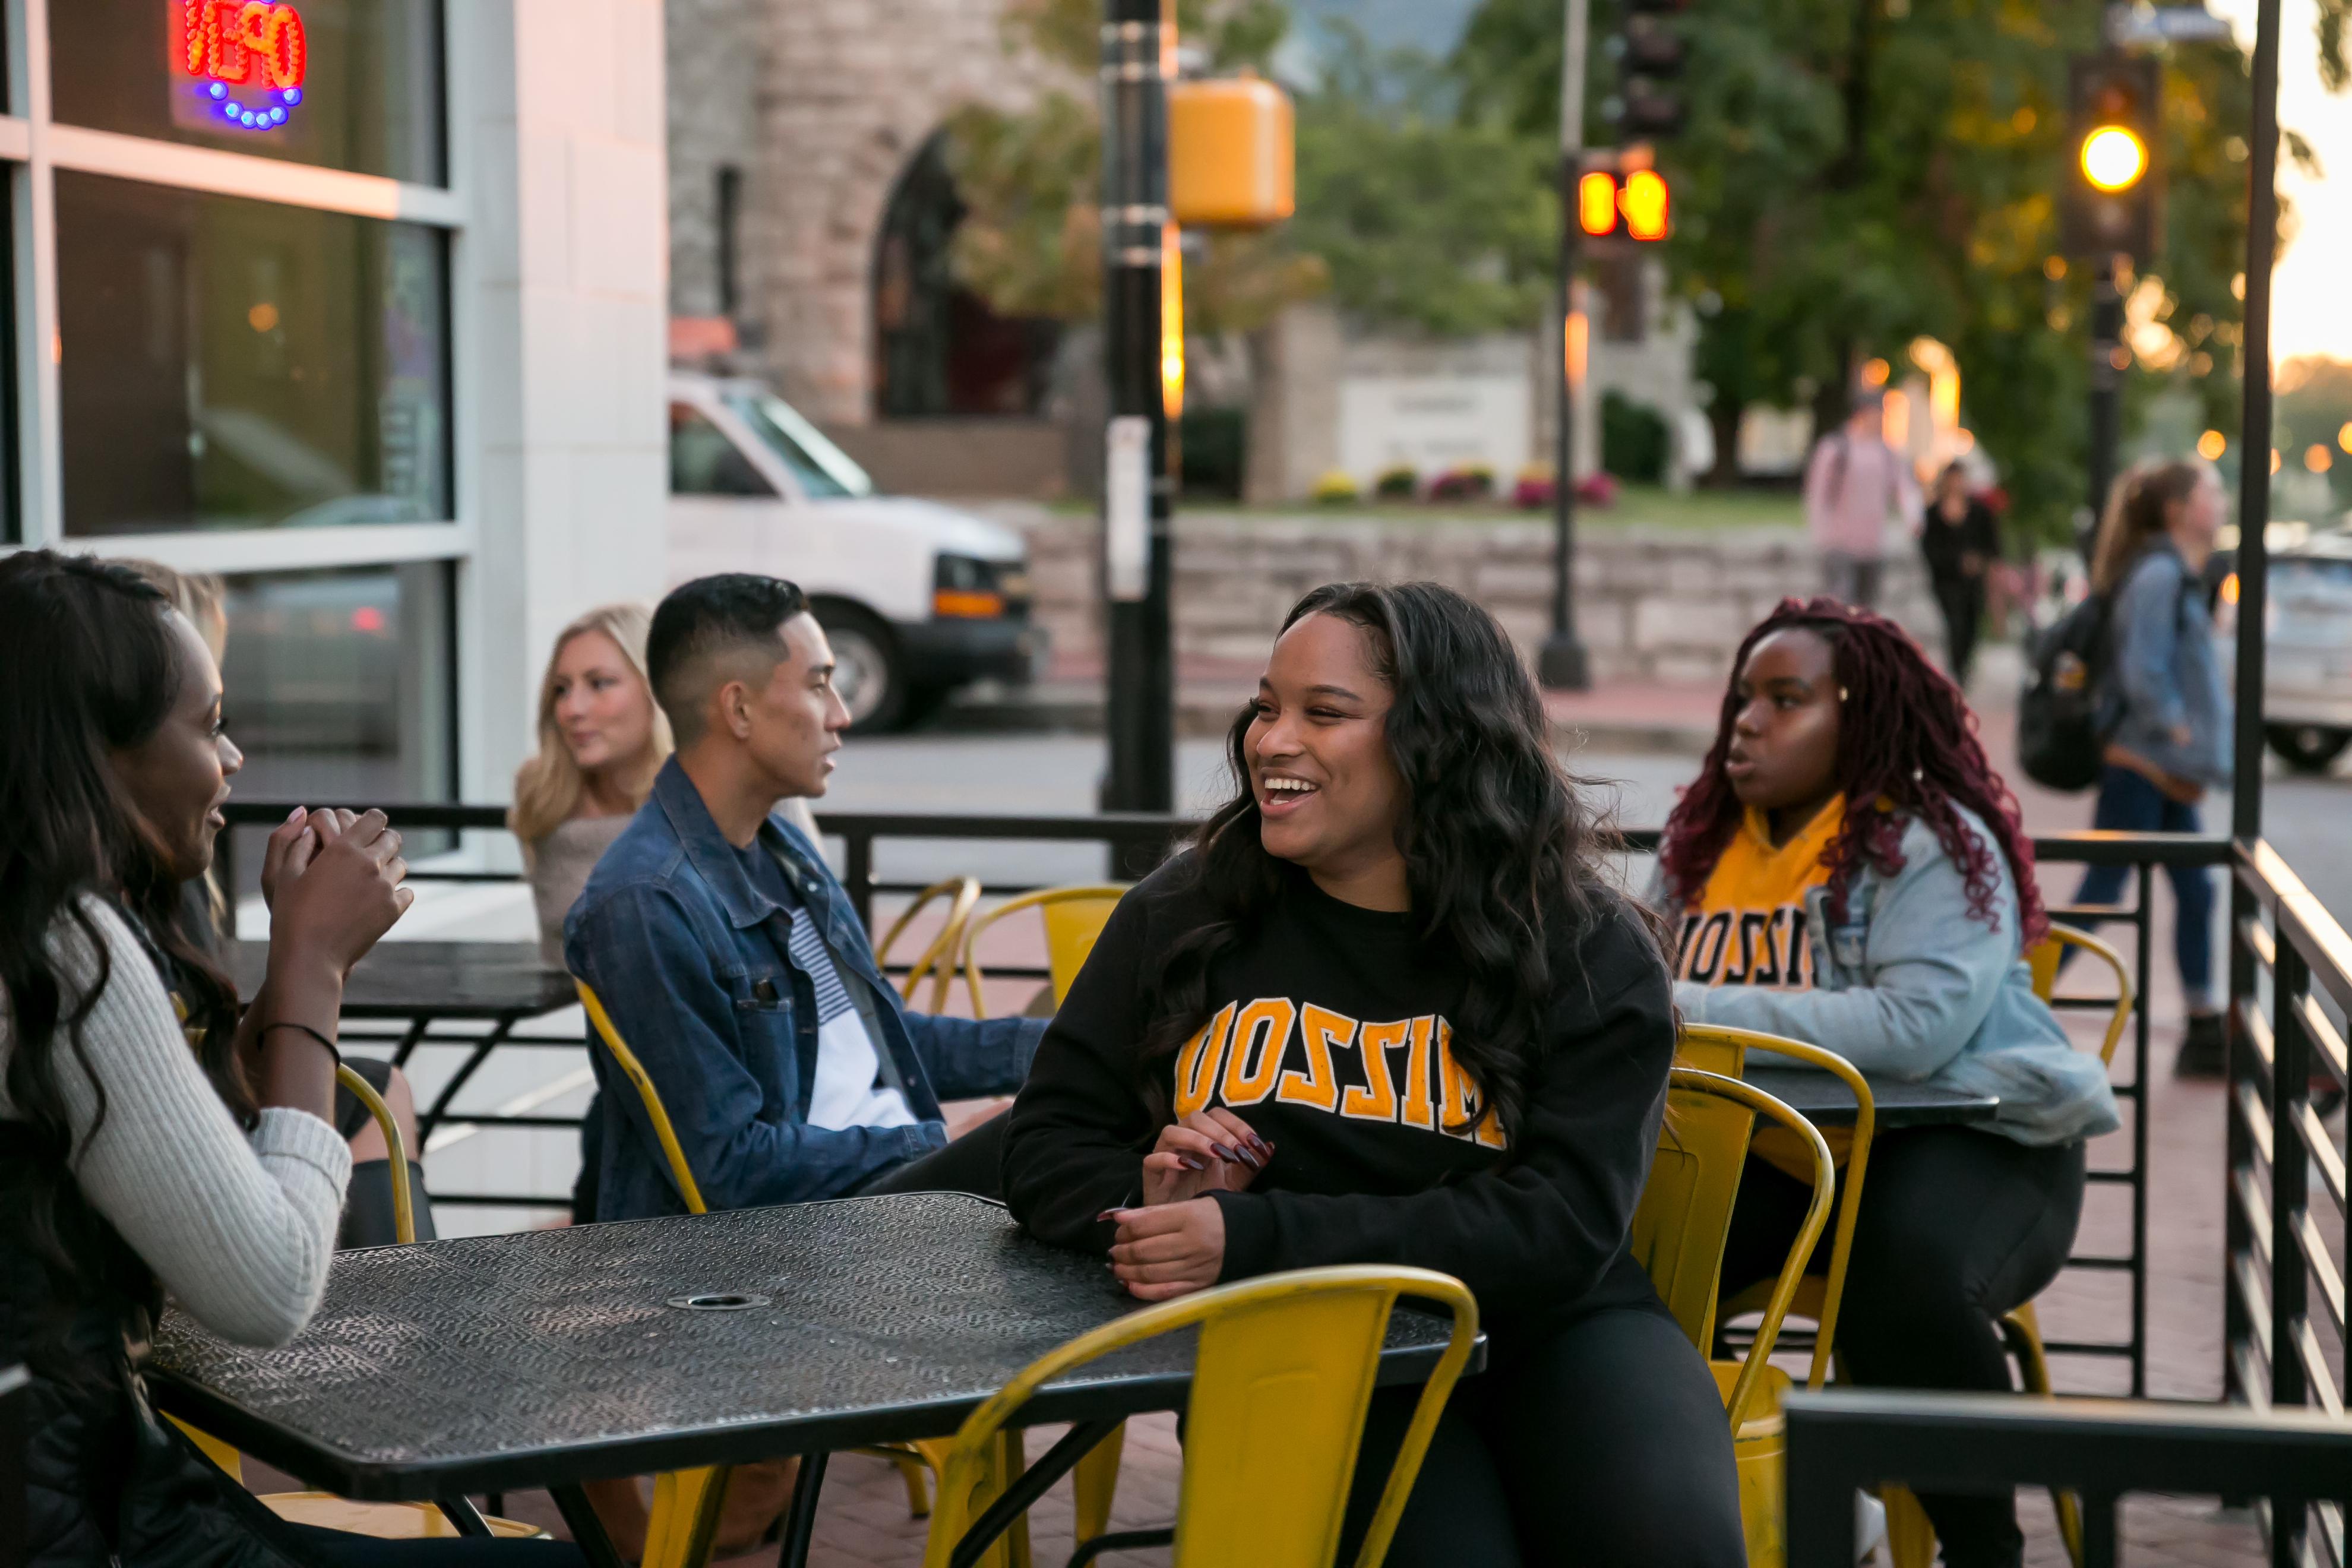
pixel 1852 579
pixel 2129 803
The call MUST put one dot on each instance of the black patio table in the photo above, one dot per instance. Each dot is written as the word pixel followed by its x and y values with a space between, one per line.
pixel 549 1358
pixel 425 983
pixel 1825 1101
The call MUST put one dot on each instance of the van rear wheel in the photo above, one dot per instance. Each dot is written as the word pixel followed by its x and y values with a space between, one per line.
pixel 2307 748
pixel 869 672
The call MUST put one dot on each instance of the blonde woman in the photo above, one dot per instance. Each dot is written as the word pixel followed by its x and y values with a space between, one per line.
pixel 601 740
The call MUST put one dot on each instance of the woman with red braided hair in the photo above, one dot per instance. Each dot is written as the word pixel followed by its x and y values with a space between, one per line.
pixel 1849 870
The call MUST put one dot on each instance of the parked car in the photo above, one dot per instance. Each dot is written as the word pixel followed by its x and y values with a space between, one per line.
pixel 917 599
pixel 2307 671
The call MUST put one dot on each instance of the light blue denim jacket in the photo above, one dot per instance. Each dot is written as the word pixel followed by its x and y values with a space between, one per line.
pixel 2166 674
pixel 1912 986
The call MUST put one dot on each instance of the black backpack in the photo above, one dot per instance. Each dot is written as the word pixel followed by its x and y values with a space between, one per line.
pixel 2062 716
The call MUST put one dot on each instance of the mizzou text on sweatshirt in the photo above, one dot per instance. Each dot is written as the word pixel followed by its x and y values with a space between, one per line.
pixel 1747 927
pixel 1331 1032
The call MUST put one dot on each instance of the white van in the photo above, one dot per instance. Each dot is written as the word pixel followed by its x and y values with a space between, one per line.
pixel 917 599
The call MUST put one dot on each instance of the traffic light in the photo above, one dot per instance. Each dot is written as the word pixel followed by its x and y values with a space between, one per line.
pixel 1616 202
pixel 1649 51
pixel 2113 188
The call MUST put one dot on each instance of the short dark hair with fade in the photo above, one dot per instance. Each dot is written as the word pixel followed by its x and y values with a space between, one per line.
pixel 705 619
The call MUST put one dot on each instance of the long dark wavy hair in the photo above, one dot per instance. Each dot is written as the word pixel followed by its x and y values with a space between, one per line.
pixel 1502 853
pixel 1905 736
pixel 88 664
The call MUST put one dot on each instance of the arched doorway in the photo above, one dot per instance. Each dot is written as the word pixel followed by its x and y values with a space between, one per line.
pixel 937 347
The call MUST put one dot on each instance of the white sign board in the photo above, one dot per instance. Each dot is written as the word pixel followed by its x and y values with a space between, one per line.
pixel 1430 423
pixel 1127 510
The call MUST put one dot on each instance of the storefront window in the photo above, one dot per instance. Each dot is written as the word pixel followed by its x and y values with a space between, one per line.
pixel 344 84
pixel 235 364
pixel 336 685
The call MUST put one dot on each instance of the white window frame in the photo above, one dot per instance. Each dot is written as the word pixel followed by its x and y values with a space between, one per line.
pixel 34 147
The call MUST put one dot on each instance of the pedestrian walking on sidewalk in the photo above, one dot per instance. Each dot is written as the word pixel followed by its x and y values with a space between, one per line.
pixel 1854 482
pixel 2170 714
pixel 1961 541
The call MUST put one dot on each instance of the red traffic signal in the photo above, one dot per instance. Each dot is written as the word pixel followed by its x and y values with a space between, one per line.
pixel 1638 207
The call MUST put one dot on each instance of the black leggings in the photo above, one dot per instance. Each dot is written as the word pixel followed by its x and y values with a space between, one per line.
pixel 1962 601
pixel 346 1550
pixel 1958 1227
pixel 1602 1444
pixel 367 1203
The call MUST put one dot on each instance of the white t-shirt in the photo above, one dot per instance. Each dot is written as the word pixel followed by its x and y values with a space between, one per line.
pixel 849 1090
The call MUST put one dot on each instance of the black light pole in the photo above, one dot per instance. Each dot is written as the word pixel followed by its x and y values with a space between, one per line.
pixel 2255 429
pixel 2246 772
pixel 1137 492
pixel 1561 664
pixel 2106 392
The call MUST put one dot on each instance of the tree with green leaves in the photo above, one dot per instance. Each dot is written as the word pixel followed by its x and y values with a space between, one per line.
pixel 1857 174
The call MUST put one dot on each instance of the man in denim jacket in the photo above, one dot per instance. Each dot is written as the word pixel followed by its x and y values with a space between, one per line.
pixel 732 963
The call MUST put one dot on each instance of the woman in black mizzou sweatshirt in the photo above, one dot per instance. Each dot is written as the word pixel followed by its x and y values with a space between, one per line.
pixel 1386 1010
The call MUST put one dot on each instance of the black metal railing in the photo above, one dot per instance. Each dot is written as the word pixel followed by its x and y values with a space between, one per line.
pixel 2283 1291
pixel 2101 1449
pixel 1133 842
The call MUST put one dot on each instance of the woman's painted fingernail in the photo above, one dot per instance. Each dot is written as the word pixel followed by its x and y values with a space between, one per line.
pixel 1109 1215
pixel 1260 1144
pixel 1255 1161
pixel 1230 1156
pixel 1192 1162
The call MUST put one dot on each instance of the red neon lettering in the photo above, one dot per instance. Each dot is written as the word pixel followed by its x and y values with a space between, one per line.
pixel 225 40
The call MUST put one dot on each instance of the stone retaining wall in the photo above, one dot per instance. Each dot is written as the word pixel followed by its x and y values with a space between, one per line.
pixel 1651 605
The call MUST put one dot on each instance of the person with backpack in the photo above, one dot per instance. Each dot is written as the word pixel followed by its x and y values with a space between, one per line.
pixel 2163 714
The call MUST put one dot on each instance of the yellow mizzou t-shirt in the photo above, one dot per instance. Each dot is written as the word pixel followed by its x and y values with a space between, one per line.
pixel 1747 926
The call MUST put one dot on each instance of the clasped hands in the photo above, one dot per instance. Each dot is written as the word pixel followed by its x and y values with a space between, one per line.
pixel 1175 1242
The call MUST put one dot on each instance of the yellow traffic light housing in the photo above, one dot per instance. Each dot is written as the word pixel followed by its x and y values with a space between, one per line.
pixel 2113 158
pixel 1231 154
pixel 2110 201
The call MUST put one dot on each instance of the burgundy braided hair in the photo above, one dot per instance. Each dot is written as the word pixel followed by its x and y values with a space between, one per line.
pixel 1906 735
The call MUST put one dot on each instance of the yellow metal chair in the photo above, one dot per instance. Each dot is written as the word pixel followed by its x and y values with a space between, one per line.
pixel 1818 1295
pixel 1911 1538
pixel 1281 1381
pixel 686 1504
pixel 1074 917
pixel 1678 1235
pixel 936 962
pixel 383 1521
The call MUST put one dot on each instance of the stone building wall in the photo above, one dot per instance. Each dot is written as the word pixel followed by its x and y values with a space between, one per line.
pixel 1653 606
pixel 717 52
pixel 822 103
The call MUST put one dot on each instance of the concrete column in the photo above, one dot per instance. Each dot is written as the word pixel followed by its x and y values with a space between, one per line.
pixel 557 139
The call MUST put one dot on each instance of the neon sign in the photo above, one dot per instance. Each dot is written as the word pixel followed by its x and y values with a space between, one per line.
pixel 250 44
